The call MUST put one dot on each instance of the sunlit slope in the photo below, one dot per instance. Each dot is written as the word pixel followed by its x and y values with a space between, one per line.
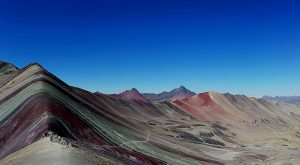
pixel 251 119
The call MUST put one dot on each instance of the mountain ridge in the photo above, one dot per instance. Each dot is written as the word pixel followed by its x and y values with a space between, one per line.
pixel 177 93
pixel 132 94
pixel 7 68
pixel 283 99
pixel 48 103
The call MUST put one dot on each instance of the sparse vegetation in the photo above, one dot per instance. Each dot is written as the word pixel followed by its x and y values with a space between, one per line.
pixel 213 141
pixel 217 126
pixel 183 126
pixel 198 125
pixel 151 123
pixel 190 137
pixel 206 134
pixel 175 130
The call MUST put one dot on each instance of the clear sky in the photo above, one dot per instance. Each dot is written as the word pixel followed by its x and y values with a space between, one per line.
pixel 240 46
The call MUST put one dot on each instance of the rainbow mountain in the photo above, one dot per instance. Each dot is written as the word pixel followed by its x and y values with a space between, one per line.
pixel 46 121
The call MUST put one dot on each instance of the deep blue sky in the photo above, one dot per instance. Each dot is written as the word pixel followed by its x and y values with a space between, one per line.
pixel 240 46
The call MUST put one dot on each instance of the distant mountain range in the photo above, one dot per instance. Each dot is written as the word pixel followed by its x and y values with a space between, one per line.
pixel 181 93
pixel 178 93
pixel 133 94
pixel 284 99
